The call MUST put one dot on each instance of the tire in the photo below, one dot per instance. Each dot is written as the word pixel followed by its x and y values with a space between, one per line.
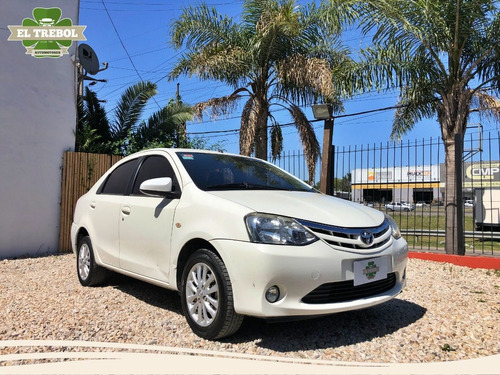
pixel 89 272
pixel 207 296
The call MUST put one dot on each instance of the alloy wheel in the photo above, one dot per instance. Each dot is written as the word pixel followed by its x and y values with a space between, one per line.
pixel 84 261
pixel 202 294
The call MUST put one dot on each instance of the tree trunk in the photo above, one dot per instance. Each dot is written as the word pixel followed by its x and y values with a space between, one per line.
pixel 450 200
pixel 452 115
pixel 261 133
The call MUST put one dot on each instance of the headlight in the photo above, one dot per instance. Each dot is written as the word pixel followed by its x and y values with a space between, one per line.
pixel 395 230
pixel 277 230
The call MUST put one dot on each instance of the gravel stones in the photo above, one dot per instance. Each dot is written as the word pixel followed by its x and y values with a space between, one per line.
pixel 445 313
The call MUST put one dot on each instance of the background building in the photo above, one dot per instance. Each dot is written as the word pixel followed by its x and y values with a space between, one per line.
pixel 37 123
pixel 420 183
pixel 409 184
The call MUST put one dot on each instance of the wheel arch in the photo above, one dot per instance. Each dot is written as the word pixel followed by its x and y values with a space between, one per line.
pixel 187 250
pixel 82 232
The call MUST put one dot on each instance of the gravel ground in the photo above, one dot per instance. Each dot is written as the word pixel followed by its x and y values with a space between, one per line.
pixel 446 313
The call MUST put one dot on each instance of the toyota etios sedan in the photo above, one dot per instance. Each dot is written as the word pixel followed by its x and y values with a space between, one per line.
pixel 235 236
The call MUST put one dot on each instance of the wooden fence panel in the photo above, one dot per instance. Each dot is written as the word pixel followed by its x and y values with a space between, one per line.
pixel 80 172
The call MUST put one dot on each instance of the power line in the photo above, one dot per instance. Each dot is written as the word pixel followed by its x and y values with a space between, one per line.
pixel 120 39
pixel 311 121
pixel 124 48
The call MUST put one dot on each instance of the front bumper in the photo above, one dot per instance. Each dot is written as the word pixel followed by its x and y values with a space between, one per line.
pixel 297 271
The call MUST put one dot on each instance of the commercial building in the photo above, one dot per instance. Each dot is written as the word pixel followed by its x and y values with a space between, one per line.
pixel 419 183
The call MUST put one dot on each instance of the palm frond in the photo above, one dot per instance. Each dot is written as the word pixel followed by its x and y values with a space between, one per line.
pixel 308 138
pixel 338 14
pixel 226 64
pixel 416 103
pixel 130 107
pixel 276 141
pixel 165 121
pixel 248 126
pixel 300 75
pixel 487 105
pixel 162 128
pixel 95 115
pixel 201 26
pixel 218 107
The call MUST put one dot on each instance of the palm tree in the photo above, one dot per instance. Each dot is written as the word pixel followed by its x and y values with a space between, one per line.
pixel 92 132
pixel 128 113
pixel 444 57
pixel 278 54
pixel 164 128
pixel 126 134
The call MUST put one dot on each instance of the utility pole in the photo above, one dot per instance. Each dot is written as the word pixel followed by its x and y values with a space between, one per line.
pixel 326 181
pixel 181 131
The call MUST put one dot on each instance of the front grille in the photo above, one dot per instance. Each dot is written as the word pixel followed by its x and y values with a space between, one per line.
pixel 344 291
pixel 350 238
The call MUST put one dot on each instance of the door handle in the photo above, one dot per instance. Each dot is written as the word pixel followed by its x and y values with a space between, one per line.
pixel 92 204
pixel 126 210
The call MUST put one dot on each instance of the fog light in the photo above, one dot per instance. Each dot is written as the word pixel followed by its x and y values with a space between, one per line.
pixel 272 294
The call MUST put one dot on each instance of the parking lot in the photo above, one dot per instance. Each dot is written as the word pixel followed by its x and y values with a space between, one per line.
pixel 446 313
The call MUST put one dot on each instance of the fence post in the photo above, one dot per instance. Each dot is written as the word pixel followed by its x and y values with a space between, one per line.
pixel 458 194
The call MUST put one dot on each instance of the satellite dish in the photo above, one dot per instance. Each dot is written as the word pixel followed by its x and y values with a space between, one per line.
pixel 88 59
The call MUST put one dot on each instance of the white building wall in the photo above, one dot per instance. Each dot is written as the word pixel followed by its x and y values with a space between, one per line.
pixel 37 123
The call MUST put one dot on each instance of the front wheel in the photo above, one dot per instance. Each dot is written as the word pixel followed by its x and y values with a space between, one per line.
pixel 207 296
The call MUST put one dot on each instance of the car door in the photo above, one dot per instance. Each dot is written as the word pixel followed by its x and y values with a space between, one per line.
pixel 105 212
pixel 146 222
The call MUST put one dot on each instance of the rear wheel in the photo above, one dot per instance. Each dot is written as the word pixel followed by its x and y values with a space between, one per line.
pixel 207 296
pixel 89 272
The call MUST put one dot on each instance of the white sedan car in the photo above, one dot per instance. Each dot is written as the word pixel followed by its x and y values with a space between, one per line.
pixel 236 236
pixel 396 206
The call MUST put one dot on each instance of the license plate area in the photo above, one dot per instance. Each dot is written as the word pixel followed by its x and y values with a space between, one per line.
pixel 369 270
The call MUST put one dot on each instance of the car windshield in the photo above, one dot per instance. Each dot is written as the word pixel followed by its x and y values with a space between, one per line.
pixel 230 172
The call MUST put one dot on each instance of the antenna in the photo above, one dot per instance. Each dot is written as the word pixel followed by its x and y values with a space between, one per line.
pixel 88 59
pixel 89 62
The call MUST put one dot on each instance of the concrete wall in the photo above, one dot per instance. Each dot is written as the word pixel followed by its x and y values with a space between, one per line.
pixel 37 122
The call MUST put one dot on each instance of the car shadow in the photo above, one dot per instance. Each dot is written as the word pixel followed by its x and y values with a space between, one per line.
pixel 151 294
pixel 336 330
pixel 331 331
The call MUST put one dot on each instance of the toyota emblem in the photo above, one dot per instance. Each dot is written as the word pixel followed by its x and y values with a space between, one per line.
pixel 366 237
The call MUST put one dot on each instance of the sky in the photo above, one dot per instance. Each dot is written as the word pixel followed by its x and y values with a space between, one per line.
pixel 132 36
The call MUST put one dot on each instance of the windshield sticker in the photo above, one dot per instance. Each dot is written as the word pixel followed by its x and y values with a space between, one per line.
pixel 187 156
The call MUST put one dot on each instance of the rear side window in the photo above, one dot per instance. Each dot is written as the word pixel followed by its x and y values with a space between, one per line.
pixel 155 166
pixel 117 182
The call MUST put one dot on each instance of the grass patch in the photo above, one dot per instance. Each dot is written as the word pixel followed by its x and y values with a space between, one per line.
pixel 434 219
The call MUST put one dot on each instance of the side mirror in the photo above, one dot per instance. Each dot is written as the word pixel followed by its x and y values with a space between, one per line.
pixel 157 187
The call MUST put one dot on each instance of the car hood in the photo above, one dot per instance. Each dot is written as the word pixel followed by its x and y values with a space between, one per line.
pixel 314 207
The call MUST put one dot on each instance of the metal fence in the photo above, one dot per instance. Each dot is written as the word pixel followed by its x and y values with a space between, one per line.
pixel 406 180
pixel 409 174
